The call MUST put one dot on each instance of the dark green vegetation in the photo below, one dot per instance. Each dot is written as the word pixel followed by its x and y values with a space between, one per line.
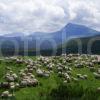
pixel 71 77
pixel 71 46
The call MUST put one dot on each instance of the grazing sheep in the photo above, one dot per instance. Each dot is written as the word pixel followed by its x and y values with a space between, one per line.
pixel 94 61
pixel 39 72
pixel 78 75
pixel 75 79
pixel 98 89
pixel 35 82
pixel 12 87
pixel 60 69
pixel 34 67
pixel 82 77
pixel 67 77
pixel 26 70
pixel 5 94
pixel 65 81
pixel 30 70
pixel 7 75
pixel 79 66
pixel 50 67
pixel 61 65
pixel 22 74
pixel 97 76
pixel 23 83
pixel 85 76
pixel 4 85
pixel 28 66
pixel 29 74
pixel 60 74
pixel 98 70
pixel 15 76
pixel 17 85
pixel 11 95
pixel 8 68
pixel 32 76
pixel 46 75
pixel 11 71
pixel 10 79
pixel 91 64
pixel 12 83
pixel 69 72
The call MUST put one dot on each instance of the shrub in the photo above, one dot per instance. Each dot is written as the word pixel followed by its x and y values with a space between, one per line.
pixel 72 92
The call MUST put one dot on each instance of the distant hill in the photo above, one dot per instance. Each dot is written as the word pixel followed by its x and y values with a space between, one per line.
pixel 87 45
pixel 67 35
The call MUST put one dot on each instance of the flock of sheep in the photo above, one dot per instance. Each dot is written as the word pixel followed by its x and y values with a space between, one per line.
pixel 44 67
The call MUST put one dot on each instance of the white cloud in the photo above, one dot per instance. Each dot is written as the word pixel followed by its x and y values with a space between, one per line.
pixel 27 16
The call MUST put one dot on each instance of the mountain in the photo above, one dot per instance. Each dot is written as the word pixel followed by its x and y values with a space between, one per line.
pixel 70 31
pixel 74 30
pixel 86 45
pixel 48 41
pixel 14 35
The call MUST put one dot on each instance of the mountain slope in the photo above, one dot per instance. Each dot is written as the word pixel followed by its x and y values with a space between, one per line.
pixel 81 45
pixel 70 31
pixel 74 30
pixel 48 41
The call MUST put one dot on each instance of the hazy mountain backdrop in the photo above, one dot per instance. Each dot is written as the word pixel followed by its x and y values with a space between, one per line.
pixel 66 38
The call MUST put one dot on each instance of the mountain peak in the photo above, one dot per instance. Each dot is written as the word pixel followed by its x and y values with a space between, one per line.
pixel 76 25
pixel 76 30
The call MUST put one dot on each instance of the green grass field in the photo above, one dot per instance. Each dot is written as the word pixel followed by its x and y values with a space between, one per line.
pixel 46 85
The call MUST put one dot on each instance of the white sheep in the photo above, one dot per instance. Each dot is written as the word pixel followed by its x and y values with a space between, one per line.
pixel 23 83
pixel 5 94
pixel 39 72
pixel 10 79
pixel 97 76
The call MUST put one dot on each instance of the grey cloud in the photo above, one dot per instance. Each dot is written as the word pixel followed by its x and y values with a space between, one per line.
pixel 28 16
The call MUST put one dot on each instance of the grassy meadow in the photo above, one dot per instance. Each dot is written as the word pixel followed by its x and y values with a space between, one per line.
pixel 55 86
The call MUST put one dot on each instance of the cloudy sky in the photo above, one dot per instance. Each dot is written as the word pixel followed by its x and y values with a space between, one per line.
pixel 27 16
